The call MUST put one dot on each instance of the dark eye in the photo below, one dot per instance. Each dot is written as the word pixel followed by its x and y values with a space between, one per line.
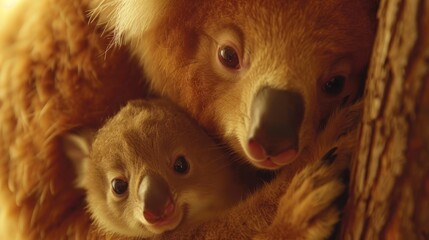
pixel 119 186
pixel 181 165
pixel 228 57
pixel 334 86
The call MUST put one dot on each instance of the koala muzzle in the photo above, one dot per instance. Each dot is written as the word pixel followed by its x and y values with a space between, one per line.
pixel 156 197
pixel 276 117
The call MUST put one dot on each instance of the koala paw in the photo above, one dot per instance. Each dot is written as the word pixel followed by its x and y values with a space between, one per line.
pixel 309 207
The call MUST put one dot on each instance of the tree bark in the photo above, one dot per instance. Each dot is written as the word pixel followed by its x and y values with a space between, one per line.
pixel 389 193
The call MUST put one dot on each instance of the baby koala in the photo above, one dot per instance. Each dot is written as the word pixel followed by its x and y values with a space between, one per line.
pixel 151 169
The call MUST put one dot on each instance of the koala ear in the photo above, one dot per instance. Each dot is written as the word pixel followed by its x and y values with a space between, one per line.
pixel 130 18
pixel 77 147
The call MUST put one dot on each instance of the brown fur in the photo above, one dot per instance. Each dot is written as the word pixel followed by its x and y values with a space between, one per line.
pixel 298 203
pixel 56 73
pixel 145 137
pixel 52 61
pixel 286 45
pixel 289 45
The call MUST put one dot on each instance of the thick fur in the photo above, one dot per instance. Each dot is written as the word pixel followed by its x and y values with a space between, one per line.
pixel 298 203
pixel 55 74
pixel 58 71
pixel 145 138
pixel 286 45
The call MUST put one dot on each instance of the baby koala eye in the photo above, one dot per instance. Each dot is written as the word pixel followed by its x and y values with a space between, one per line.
pixel 228 56
pixel 181 165
pixel 334 86
pixel 119 186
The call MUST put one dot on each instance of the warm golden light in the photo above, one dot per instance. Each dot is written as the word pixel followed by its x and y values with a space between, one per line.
pixel 5 4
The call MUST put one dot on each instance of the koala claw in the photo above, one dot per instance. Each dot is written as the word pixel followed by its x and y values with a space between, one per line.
pixel 330 156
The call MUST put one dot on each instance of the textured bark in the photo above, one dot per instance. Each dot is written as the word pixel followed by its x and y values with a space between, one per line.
pixel 389 195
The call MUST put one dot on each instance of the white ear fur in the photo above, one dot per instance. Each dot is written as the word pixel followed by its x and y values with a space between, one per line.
pixel 77 147
pixel 128 18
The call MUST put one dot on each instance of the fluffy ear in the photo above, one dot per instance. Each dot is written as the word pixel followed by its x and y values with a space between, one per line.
pixel 77 147
pixel 128 18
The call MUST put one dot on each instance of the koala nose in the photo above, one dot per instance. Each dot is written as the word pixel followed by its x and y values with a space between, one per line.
pixel 156 197
pixel 276 117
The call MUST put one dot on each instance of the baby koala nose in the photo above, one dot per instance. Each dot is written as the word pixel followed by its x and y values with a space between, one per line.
pixel 156 197
pixel 276 117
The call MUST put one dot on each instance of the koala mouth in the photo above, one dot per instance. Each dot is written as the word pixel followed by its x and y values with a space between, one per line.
pixel 271 162
pixel 174 216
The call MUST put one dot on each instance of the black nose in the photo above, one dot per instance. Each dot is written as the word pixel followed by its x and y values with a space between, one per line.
pixel 276 117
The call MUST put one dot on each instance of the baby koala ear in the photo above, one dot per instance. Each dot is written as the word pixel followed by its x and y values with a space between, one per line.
pixel 77 146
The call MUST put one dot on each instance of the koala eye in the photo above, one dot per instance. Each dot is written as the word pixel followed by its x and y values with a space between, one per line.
pixel 119 186
pixel 181 165
pixel 334 86
pixel 228 57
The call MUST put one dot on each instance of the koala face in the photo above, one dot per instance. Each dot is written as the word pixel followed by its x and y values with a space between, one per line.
pixel 263 75
pixel 151 169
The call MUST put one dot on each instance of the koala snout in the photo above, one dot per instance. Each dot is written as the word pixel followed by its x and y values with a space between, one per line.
pixel 156 196
pixel 275 121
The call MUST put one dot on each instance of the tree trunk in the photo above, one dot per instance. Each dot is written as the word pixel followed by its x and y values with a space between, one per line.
pixel 389 194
